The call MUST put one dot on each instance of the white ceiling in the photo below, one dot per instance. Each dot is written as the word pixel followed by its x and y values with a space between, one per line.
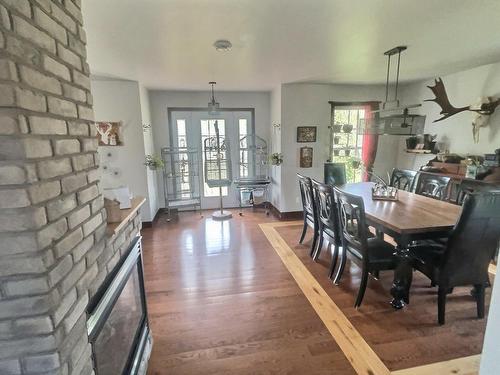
pixel 167 44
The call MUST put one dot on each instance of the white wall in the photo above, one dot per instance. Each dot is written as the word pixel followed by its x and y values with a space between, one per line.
pixel 149 149
pixel 160 101
pixel 118 100
pixel 491 350
pixel 463 89
pixel 275 139
pixel 307 105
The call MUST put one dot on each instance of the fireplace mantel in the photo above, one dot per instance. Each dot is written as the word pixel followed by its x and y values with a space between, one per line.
pixel 126 215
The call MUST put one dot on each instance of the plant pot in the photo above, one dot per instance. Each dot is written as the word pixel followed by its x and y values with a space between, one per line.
pixel 336 140
pixel 347 152
pixel 347 128
pixel 336 152
pixel 411 143
pixel 337 128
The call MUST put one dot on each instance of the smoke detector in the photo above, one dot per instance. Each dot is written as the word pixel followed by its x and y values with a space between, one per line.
pixel 222 45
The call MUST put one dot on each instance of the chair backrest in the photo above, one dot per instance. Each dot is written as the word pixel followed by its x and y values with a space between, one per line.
pixel 334 174
pixel 403 179
pixel 326 205
pixel 352 222
pixel 473 186
pixel 473 242
pixel 306 194
pixel 432 185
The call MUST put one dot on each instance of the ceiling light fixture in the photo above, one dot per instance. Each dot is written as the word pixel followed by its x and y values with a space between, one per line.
pixel 223 45
pixel 393 118
pixel 213 106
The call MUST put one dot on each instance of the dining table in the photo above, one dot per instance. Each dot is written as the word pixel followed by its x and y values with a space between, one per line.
pixel 410 218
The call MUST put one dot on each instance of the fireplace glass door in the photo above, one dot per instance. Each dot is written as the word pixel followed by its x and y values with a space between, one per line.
pixel 118 334
pixel 118 322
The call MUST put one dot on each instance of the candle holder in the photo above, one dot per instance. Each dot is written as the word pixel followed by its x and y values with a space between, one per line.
pixel 384 193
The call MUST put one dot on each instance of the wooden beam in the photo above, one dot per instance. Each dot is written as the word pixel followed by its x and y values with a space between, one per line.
pixel 362 358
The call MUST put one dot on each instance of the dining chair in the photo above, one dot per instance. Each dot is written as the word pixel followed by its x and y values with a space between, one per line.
pixel 309 209
pixel 432 185
pixel 465 258
pixel 328 222
pixel 473 186
pixel 403 179
pixel 372 254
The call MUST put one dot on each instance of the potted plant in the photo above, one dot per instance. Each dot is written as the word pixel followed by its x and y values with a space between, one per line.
pixel 337 128
pixel 411 142
pixel 347 128
pixel 153 162
pixel 276 158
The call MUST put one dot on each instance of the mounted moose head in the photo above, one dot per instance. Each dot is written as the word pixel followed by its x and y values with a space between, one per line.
pixel 482 109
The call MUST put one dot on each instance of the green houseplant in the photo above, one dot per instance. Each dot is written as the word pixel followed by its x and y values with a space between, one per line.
pixel 153 162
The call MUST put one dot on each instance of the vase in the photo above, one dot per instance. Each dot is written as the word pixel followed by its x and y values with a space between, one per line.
pixel 336 152
pixel 336 140
pixel 347 152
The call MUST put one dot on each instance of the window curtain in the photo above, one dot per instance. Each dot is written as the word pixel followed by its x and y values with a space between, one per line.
pixel 370 144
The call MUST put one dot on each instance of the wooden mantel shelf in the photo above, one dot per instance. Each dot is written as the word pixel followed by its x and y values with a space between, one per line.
pixel 127 215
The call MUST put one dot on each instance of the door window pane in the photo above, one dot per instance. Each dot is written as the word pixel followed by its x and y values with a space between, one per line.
pixel 207 131
pixel 183 177
pixel 243 144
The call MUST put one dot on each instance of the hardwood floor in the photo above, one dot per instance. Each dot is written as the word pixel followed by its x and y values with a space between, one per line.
pixel 402 339
pixel 221 302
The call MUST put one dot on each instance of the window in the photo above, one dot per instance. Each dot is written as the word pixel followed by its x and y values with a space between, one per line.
pixel 207 131
pixel 243 144
pixel 346 142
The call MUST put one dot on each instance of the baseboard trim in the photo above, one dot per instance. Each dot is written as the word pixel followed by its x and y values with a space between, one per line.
pixel 286 216
pixel 149 224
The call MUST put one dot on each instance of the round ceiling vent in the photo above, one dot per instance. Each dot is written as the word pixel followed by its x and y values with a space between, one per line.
pixel 223 45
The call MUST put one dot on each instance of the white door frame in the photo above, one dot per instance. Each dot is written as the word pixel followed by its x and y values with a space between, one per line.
pixel 193 116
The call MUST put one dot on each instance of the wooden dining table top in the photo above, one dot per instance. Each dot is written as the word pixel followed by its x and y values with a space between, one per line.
pixel 410 214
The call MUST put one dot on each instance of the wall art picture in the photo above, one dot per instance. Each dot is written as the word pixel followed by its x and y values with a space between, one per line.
pixel 109 133
pixel 306 134
pixel 306 157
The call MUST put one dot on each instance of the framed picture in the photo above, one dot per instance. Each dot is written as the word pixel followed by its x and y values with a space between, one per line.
pixel 306 157
pixel 109 133
pixel 306 134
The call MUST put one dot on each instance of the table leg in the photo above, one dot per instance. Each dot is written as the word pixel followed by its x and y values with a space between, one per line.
pixel 403 274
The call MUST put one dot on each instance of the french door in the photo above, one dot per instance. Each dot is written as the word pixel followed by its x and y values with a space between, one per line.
pixel 191 128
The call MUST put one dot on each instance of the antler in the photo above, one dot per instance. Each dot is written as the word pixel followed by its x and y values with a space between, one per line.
pixel 447 110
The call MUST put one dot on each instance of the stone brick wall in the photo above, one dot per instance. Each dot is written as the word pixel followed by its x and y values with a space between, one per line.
pixel 54 253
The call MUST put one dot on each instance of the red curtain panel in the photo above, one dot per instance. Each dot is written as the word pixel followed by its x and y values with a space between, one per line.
pixel 370 144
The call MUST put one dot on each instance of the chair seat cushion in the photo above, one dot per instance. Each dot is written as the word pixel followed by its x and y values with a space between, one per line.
pixel 380 252
pixel 427 258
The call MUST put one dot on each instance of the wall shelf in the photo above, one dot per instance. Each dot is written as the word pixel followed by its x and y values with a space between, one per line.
pixel 419 151
pixel 126 216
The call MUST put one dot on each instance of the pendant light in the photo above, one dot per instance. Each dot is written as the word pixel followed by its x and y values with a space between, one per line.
pixel 393 118
pixel 213 106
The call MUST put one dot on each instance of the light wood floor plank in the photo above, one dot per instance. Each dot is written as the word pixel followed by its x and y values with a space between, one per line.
pixel 492 269
pixel 459 366
pixel 363 359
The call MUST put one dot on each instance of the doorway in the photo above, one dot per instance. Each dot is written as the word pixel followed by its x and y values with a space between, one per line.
pixel 190 127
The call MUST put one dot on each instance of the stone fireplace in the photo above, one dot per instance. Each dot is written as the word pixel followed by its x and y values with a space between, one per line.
pixel 57 254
